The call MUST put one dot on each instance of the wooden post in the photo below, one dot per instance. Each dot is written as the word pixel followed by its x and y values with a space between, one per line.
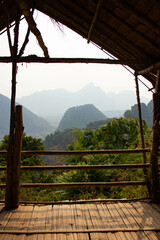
pixel 10 153
pixel 155 143
pixel 17 157
pixel 141 131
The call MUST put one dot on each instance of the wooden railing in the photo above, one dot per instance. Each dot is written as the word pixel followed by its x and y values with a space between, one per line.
pixel 77 167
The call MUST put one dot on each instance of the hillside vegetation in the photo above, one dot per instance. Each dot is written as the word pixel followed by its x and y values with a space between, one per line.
pixel 122 133
pixel 147 112
pixel 80 116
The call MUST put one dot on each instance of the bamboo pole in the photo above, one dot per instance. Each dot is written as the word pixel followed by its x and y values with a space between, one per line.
pixel 10 153
pixel 94 20
pixel 140 117
pixel 84 152
pixel 155 188
pixel 17 158
pixel 36 59
pixel 32 25
pixel 83 167
pixel 155 67
pixel 81 184
pixel 141 131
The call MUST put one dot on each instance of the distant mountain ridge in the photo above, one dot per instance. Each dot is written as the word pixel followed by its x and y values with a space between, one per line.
pixel 52 102
pixel 80 116
pixel 147 112
pixel 33 125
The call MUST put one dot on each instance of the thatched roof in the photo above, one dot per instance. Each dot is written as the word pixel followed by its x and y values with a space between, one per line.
pixel 126 29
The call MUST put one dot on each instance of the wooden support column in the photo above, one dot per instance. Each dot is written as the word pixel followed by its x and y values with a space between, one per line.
pixel 141 130
pixel 10 152
pixel 17 157
pixel 155 190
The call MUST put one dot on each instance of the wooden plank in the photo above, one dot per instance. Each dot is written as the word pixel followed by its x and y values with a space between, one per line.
pixel 128 235
pixel 129 220
pixel 80 222
pixel 75 231
pixel 43 211
pixel 12 224
pixel 118 223
pixel 60 224
pixel 89 222
pixel 4 218
pixel 140 219
pixel 154 215
pixel 99 223
pixel 23 221
pixel 146 217
pixel 106 219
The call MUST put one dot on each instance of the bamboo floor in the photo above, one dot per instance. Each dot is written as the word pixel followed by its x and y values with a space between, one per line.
pixel 81 221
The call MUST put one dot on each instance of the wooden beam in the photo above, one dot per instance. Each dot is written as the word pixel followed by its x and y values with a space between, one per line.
pixel 155 188
pixel 140 117
pixel 84 167
pixel 36 59
pixel 32 25
pixel 141 131
pixel 81 184
pixel 86 152
pixel 17 157
pixel 153 67
pixel 91 230
pixel 10 153
pixel 94 20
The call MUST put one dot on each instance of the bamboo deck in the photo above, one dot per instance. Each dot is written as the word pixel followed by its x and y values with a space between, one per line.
pixel 85 221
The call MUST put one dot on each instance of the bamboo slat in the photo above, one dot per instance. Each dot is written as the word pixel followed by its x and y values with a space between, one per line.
pixel 124 216
pixel 146 219
pixel 116 221
pixel 113 230
pixel 130 220
pixel 89 221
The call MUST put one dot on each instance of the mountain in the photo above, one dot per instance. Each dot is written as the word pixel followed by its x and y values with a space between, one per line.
pixel 52 104
pixel 80 116
pixel 33 125
pixel 147 112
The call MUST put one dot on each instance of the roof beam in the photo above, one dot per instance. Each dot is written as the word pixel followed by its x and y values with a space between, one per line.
pixel 94 20
pixel 32 25
pixel 36 59
pixel 153 67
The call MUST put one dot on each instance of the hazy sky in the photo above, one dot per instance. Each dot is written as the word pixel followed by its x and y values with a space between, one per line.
pixel 37 77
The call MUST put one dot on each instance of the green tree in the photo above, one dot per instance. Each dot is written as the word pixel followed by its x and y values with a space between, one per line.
pixel 122 133
pixel 28 143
